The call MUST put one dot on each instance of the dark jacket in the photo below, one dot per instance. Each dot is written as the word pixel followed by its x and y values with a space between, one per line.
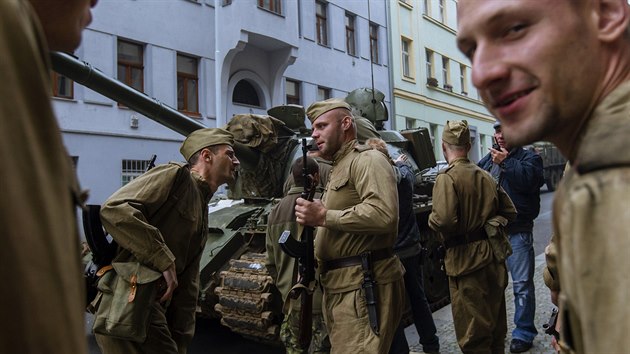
pixel 521 177
pixel 408 239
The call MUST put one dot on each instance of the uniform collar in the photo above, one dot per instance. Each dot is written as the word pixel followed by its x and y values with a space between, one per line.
pixel 344 150
pixel 202 185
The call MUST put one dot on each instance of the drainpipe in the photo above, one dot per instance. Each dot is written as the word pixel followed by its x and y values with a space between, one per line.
pixel 390 59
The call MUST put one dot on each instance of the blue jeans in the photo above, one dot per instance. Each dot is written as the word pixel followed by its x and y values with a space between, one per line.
pixel 521 267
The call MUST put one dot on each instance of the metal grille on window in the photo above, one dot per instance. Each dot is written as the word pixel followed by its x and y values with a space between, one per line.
pixel 132 169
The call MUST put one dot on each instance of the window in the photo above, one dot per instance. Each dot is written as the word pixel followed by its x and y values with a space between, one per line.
pixel 130 64
pixel 429 55
pixel 462 79
pixel 442 11
pixel 350 42
pixel 271 5
pixel 433 129
pixel 323 93
pixel 62 86
pixel 322 31
pixel 445 71
pixel 426 10
pixel 293 92
pixel 187 84
pixel 374 43
pixel 245 93
pixel 410 123
pixel 132 169
pixel 405 50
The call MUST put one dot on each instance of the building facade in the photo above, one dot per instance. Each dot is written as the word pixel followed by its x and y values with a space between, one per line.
pixel 431 78
pixel 210 59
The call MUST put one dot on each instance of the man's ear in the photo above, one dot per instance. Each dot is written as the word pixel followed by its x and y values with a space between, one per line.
pixel 206 155
pixel 614 16
pixel 346 122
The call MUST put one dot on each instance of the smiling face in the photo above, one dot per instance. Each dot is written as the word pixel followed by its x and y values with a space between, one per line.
pixel 535 63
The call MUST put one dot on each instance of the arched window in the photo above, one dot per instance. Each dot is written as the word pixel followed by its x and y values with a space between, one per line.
pixel 245 93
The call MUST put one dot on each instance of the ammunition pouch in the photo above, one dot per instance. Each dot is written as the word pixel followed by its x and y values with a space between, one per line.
pixel 497 237
pixel 125 300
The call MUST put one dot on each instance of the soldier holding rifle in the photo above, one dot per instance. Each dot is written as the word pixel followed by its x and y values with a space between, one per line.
pixel 357 226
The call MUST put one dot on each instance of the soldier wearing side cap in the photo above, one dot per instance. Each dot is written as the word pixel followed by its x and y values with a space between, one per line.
pixel 466 202
pixel 357 221
pixel 160 220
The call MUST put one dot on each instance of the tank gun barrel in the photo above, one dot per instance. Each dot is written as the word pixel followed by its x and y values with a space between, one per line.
pixel 90 77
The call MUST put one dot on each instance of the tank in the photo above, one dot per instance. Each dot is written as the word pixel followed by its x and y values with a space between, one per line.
pixel 234 283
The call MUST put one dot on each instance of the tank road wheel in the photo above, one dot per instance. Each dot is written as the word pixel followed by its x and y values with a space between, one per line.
pixel 248 301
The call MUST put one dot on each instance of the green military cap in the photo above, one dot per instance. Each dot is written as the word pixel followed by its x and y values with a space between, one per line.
pixel 456 133
pixel 203 138
pixel 318 108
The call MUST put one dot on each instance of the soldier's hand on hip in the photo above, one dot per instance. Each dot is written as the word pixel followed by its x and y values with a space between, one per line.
pixel 170 276
pixel 310 213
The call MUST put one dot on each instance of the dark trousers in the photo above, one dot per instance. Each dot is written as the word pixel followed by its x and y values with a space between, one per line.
pixel 422 316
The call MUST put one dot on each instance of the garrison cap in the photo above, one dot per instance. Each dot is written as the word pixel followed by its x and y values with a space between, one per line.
pixel 497 124
pixel 456 132
pixel 318 108
pixel 203 138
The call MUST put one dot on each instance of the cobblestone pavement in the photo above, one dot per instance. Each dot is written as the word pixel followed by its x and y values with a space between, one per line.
pixel 444 320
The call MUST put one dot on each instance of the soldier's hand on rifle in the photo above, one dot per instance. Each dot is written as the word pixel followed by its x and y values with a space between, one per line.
pixel 170 276
pixel 310 213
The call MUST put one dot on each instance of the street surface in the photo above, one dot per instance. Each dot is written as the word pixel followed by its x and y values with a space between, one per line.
pixel 211 337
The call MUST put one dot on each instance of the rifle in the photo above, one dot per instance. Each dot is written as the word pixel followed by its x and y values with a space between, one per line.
pixel 550 326
pixel 102 246
pixel 303 251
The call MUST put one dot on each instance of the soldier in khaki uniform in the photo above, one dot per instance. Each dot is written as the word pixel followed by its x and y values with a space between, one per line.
pixel 160 219
pixel 560 71
pixel 283 268
pixel 43 294
pixel 357 226
pixel 465 199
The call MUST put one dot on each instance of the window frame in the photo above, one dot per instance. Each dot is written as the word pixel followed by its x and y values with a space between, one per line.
pixel 442 7
pixel 351 42
pixel 293 99
pixel 134 169
pixel 274 6
pixel 55 77
pixel 408 54
pixel 186 77
pixel 446 71
pixel 426 8
pixel 463 79
pixel 321 23
pixel 430 62
pixel 129 66
pixel 327 93
pixel 374 43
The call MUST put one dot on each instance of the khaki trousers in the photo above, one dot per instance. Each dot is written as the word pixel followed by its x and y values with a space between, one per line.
pixel 478 305
pixel 348 324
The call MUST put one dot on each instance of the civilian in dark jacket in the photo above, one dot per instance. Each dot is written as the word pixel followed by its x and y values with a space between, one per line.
pixel 408 249
pixel 520 173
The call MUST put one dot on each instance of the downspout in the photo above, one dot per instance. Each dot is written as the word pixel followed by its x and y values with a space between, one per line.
pixel 218 64
pixel 390 59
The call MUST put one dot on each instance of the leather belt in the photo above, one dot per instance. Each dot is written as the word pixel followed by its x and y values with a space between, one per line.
pixel 477 235
pixel 350 261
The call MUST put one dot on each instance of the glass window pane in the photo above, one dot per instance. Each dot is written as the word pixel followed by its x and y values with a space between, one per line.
pixel 187 65
pixel 192 96
pixel 180 94
pixel 136 78
pixel 129 52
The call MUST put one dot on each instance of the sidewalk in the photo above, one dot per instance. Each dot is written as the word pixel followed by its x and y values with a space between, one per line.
pixel 444 320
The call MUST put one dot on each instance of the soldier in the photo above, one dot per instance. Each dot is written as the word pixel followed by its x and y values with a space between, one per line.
pixel 520 173
pixel 43 295
pixel 559 71
pixel 283 268
pixel 466 200
pixel 357 226
pixel 160 220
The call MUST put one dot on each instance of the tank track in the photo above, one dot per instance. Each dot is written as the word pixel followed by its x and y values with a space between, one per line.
pixel 246 299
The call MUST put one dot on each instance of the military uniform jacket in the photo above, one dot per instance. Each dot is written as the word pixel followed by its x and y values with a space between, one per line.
pixel 281 266
pixel 43 295
pixel 591 218
pixel 464 198
pixel 156 237
pixel 362 215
